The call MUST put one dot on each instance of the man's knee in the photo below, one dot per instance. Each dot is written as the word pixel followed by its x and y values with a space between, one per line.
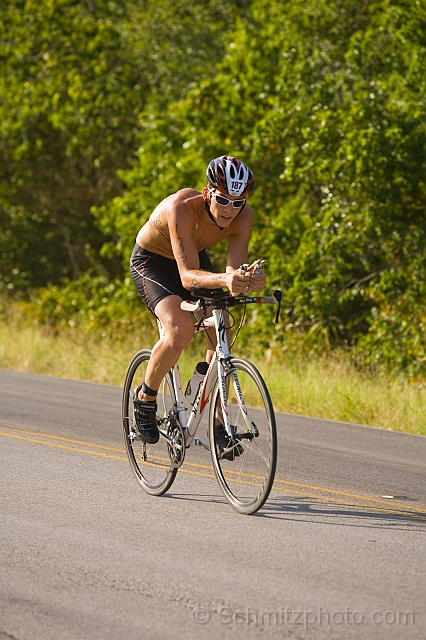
pixel 178 325
pixel 180 335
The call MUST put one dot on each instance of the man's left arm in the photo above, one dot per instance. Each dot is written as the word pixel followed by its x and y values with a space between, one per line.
pixel 238 252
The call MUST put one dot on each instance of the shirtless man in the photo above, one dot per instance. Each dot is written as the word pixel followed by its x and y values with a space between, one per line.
pixel 170 257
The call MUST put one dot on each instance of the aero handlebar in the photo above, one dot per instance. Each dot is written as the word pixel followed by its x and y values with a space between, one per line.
pixel 224 301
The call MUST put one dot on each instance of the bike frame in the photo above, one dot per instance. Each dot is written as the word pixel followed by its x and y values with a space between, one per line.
pixel 219 365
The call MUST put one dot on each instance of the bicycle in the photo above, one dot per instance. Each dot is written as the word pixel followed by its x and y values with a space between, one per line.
pixel 244 449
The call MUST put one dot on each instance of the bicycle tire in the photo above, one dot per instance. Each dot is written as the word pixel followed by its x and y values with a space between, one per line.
pixel 247 479
pixel 151 463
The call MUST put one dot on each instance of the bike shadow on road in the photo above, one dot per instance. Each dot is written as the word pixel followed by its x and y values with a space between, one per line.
pixel 316 511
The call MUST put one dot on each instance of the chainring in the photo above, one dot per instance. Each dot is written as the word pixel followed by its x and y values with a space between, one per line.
pixel 177 446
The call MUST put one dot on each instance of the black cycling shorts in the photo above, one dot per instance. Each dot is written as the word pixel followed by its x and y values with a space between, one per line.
pixel 156 277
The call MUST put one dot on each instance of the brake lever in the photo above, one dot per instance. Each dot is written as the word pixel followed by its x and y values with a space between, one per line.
pixel 245 267
pixel 258 268
pixel 278 296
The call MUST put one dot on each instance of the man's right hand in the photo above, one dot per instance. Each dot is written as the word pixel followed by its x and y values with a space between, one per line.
pixel 237 283
pixel 247 279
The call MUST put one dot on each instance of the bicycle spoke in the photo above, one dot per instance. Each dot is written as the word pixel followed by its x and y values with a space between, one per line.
pixel 151 463
pixel 246 473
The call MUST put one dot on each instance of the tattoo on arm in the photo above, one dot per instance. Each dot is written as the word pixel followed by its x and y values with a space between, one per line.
pixel 181 249
pixel 160 227
pixel 194 280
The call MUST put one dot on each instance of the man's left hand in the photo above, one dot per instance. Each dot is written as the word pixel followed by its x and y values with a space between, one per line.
pixel 257 280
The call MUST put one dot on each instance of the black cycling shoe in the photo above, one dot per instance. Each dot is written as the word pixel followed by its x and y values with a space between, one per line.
pixel 229 448
pixel 145 418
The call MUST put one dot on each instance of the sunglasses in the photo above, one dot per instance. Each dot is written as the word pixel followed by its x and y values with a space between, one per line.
pixel 223 201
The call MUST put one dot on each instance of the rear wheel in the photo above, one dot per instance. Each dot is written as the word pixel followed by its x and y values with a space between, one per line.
pixel 153 464
pixel 244 466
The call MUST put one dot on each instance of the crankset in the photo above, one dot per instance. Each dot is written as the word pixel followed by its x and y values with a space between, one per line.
pixel 176 443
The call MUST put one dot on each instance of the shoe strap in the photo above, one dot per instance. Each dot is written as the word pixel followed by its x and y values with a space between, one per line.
pixel 143 405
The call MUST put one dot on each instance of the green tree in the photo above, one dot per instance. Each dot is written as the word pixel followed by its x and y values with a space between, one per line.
pixel 68 105
pixel 325 100
pixel 79 79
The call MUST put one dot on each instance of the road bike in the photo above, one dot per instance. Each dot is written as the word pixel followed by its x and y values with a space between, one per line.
pixel 242 438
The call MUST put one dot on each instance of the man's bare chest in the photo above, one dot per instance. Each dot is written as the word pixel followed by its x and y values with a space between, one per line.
pixel 207 236
pixel 203 233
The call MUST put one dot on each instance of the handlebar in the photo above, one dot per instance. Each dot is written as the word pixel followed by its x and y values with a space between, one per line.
pixel 223 300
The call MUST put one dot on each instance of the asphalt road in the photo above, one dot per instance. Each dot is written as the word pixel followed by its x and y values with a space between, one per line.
pixel 86 554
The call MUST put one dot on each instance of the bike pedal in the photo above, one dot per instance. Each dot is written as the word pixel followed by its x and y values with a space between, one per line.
pixel 133 435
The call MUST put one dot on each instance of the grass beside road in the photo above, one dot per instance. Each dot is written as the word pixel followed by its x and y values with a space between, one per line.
pixel 327 387
pixel 331 388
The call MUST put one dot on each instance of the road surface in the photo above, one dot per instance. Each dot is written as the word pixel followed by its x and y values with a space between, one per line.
pixel 87 555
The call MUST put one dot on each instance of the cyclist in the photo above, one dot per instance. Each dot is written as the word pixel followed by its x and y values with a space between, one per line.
pixel 170 257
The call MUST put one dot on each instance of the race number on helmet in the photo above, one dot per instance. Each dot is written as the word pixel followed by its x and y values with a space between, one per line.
pixel 231 176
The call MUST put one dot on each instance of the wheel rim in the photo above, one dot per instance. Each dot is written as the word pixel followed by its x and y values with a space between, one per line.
pixel 246 480
pixel 151 463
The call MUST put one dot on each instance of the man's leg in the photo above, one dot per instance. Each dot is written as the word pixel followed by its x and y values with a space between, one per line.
pixel 178 328
pixel 178 331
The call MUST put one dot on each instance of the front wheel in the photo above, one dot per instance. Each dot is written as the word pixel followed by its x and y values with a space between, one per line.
pixel 245 465
pixel 153 464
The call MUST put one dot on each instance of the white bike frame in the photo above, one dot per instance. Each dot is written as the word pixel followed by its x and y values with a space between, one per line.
pixel 220 363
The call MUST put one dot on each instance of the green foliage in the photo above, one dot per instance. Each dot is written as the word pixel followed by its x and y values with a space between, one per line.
pixel 79 79
pixel 67 108
pixel 324 99
pixel 95 304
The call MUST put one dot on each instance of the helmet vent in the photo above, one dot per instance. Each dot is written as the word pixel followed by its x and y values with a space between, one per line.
pixel 230 176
